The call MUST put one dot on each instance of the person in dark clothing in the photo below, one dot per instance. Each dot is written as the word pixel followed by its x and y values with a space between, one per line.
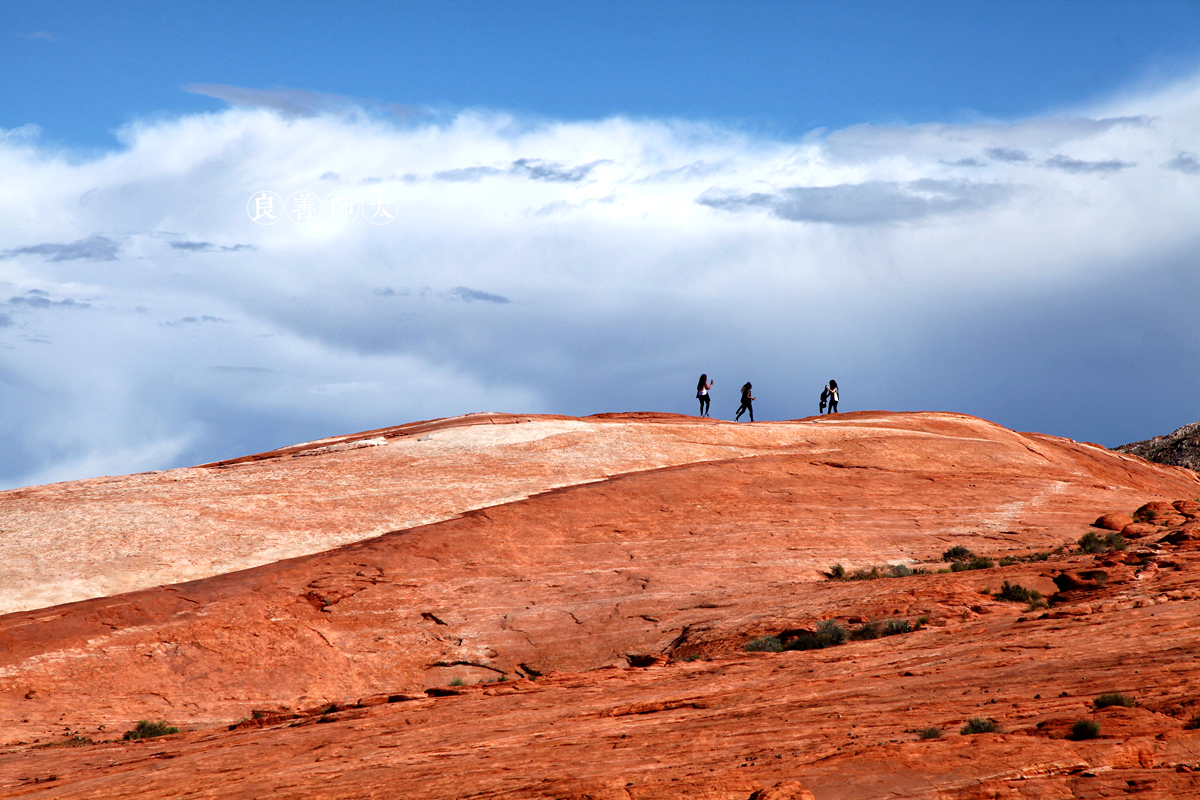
pixel 702 393
pixel 833 397
pixel 747 404
pixel 824 398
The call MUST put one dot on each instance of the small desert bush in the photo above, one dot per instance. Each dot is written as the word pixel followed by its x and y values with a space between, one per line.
pixel 764 644
pixel 1115 541
pixel 828 634
pixel 145 729
pixel 957 553
pixel 866 631
pixel 457 681
pixel 877 630
pixel 1114 699
pixel 922 621
pixel 1085 729
pixel 839 573
pixel 980 725
pixel 1016 593
pixel 977 562
pixel 929 733
pixel 1008 561
pixel 73 741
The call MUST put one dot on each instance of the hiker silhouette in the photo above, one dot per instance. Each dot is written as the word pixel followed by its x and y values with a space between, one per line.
pixel 747 404
pixel 702 393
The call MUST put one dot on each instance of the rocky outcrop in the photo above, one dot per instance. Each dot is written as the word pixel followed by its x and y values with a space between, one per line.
pixel 1180 448
pixel 589 641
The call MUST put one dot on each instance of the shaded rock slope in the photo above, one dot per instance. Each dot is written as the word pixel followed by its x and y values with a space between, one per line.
pixel 1180 448
pixel 571 618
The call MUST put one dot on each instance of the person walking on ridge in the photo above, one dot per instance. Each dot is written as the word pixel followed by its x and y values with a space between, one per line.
pixel 747 404
pixel 833 397
pixel 702 393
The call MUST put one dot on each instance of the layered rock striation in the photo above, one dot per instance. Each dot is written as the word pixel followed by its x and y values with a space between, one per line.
pixel 588 639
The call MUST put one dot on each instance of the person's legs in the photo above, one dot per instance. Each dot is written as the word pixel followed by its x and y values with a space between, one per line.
pixel 741 410
pixel 833 406
pixel 750 408
pixel 705 402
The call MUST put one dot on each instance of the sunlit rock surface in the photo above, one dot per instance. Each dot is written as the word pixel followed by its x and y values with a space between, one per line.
pixel 546 607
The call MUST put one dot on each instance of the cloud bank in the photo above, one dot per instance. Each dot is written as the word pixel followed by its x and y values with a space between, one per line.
pixel 1038 272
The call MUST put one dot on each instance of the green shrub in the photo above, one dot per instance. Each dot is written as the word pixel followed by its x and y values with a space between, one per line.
pixel 957 553
pixel 831 632
pixel 73 741
pixel 1115 541
pixel 1016 593
pixel 1091 543
pixel 877 630
pixel 1085 729
pixel 929 733
pixel 146 729
pixel 1008 561
pixel 838 572
pixel 868 630
pixel 922 621
pixel 976 562
pixel 457 681
pixel 764 644
pixel 828 634
pixel 980 725
pixel 1114 699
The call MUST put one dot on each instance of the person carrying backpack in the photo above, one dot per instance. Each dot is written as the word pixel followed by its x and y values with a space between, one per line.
pixel 824 398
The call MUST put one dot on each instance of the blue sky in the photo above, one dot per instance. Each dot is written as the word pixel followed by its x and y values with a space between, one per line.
pixel 786 66
pixel 991 208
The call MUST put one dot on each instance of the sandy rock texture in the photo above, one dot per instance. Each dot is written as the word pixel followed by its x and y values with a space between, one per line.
pixel 587 641
pixel 118 534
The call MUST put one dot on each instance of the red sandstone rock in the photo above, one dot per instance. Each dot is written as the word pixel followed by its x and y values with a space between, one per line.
pixel 1150 512
pixel 1189 508
pixel 577 585
pixel 1113 522
pixel 787 790
pixel 1138 530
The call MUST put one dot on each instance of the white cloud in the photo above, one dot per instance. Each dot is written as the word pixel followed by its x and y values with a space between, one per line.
pixel 576 267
